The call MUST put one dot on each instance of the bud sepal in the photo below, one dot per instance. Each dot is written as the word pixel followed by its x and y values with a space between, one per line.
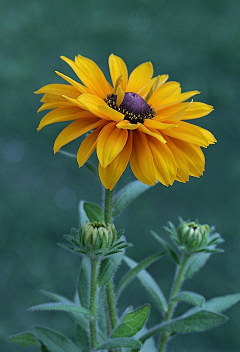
pixel 95 239
pixel 192 237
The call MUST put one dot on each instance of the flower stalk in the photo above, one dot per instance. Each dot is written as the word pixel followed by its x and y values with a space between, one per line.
pixel 179 278
pixel 93 298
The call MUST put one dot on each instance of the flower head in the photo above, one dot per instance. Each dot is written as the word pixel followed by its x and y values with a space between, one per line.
pixel 138 119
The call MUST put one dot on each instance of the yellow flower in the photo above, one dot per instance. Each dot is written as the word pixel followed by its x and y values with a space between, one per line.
pixel 138 119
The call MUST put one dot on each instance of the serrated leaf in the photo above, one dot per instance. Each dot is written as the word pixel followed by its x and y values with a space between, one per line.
pixel 150 285
pixel 136 268
pixel 189 297
pixel 108 268
pixel 24 339
pixel 127 194
pixel 132 322
pixel 54 340
pixel 84 282
pixel 172 253
pixel 82 214
pixel 93 212
pixel 120 342
pixel 195 263
pixel 73 308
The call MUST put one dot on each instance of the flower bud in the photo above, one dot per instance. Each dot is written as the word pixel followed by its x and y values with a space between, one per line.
pixel 97 235
pixel 193 236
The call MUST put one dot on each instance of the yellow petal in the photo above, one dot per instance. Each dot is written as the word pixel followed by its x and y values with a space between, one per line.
pixel 92 102
pixel 140 77
pixel 75 84
pixel 59 89
pixel 165 91
pixel 92 77
pixel 153 133
pixel 193 155
pixel 173 100
pixel 63 114
pixel 110 175
pixel 75 130
pixel 55 104
pixel 165 164
pixel 152 123
pixel 110 143
pixel 117 67
pixel 141 159
pixel 196 110
pixel 182 165
pixel 189 133
pixel 87 147
pixel 125 124
pixel 110 113
pixel 162 80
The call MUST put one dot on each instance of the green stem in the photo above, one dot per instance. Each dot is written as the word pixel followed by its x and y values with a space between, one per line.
pixel 111 302
pixel 93 297
pixel 179 278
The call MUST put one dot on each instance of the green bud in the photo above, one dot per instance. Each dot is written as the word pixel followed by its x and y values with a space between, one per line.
pixel 192 236
pixel 97 235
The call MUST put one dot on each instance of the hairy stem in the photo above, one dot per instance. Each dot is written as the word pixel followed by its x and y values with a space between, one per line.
pixel 179 278
pixel 93 297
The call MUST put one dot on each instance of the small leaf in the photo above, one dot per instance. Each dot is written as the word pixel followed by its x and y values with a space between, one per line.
pixel 132 322
pixel 54 340
pixel 24 339
pixel 108 268
pixel 172 253
pixel 73 308
pixel 135 270
pixel 150 285
pixel 195 263
pixel 189 297
pixel 120 342
pixel 82 214
pixel 56 297
pixel 93 211
pixel 83 285
pixel 127 194
pixel 218 304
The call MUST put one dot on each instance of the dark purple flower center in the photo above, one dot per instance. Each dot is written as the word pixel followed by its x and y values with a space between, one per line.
pixel 133 106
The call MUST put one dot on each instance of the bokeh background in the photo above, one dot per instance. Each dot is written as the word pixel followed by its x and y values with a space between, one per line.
pixel 197 43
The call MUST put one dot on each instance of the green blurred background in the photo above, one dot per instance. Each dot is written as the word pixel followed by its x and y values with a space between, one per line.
pixel 197 43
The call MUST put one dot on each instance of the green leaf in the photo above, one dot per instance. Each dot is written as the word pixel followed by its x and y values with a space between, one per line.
pixel 150 284
pixel 169 249
pixel 73 308
pixel 24 339
pixel 195 263
pixel 132 322
pixel 135 270
pixel 80 318
pixel 84 283
pixel 120 342
pixel 189 297
pixel 54 340
pixel 197 322
pixel 127 194
pixel 82 214
pixel 93 211
pixel 219 304
pixel 108 268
